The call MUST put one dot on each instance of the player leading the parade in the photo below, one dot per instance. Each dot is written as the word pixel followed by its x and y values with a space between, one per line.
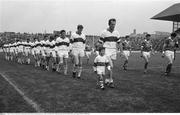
pixel 109 38
pixel 78 40
pixel 169 47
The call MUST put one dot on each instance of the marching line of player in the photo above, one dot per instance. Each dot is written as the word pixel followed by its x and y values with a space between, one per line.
pixel 59 48
pixel 56 49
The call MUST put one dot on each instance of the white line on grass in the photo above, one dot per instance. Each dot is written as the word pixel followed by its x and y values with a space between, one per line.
pixel 27 99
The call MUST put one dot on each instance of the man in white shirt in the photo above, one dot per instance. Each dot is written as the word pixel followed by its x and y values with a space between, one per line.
pixel 78 40
pixel 62 49
pixel 27 46
pixel 43 55
pixel 109 38
pixel 37 45
pixel 20 51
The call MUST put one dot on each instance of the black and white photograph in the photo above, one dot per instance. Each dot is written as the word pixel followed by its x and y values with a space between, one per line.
pixel 89 56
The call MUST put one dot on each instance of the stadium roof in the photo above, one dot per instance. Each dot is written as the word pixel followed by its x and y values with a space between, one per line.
pixel 170 14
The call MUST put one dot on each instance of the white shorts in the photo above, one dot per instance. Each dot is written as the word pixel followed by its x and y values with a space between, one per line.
pixel 20 50
pixel 53 53
pixel 78 52
pixel 100 70
pixel 16 51
pixel 63 54
pixel 27 52
pixel 170 55
pixel 126 53
pixel 47 52
pixel 32 51
pixel 146 54
pixel 111 53
pixel 43 53
pixel 36 51
pixel 88 53
pixel 11 50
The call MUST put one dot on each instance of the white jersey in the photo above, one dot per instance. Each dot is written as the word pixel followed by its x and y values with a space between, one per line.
pixel 38 45
pixel 100 63
pixel 24 44
pixel 49 46
pixel 5 47
pixel 27 45
pixel 10 47
pixel 78 41
pixel 14 46
pixel 17 45
pixel 43 47
pixel 32 45
pixel 62 44
pixel 109 39
pixel 52 45
pixel 20 45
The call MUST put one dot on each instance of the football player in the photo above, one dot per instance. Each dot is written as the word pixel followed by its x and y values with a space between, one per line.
pixel 109 38
pixel 78 40
pixel 146 51
pixel 170 45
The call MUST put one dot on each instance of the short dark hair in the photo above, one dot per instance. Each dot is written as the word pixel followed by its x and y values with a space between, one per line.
pixel 127 36
pixel 56 35
pixel 148 35
pixel 51 38
pixel 110 20
pixel 173 34
pixel 35 38
pixel 101 48
pixel 79 26
pixel 62 31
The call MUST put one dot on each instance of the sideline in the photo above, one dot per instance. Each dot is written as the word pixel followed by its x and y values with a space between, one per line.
pixel 28 100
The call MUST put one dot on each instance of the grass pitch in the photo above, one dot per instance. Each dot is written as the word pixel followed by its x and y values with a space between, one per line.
pixel 134 92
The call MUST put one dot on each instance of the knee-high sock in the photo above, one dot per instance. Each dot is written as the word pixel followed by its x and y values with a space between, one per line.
pixel 75 68
pixel 28 60
pixel 100 80
pixel 168 68
pixel 125 62
pixel 110 79
pixel 65 69
pixel 145 65
pixel 80 71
